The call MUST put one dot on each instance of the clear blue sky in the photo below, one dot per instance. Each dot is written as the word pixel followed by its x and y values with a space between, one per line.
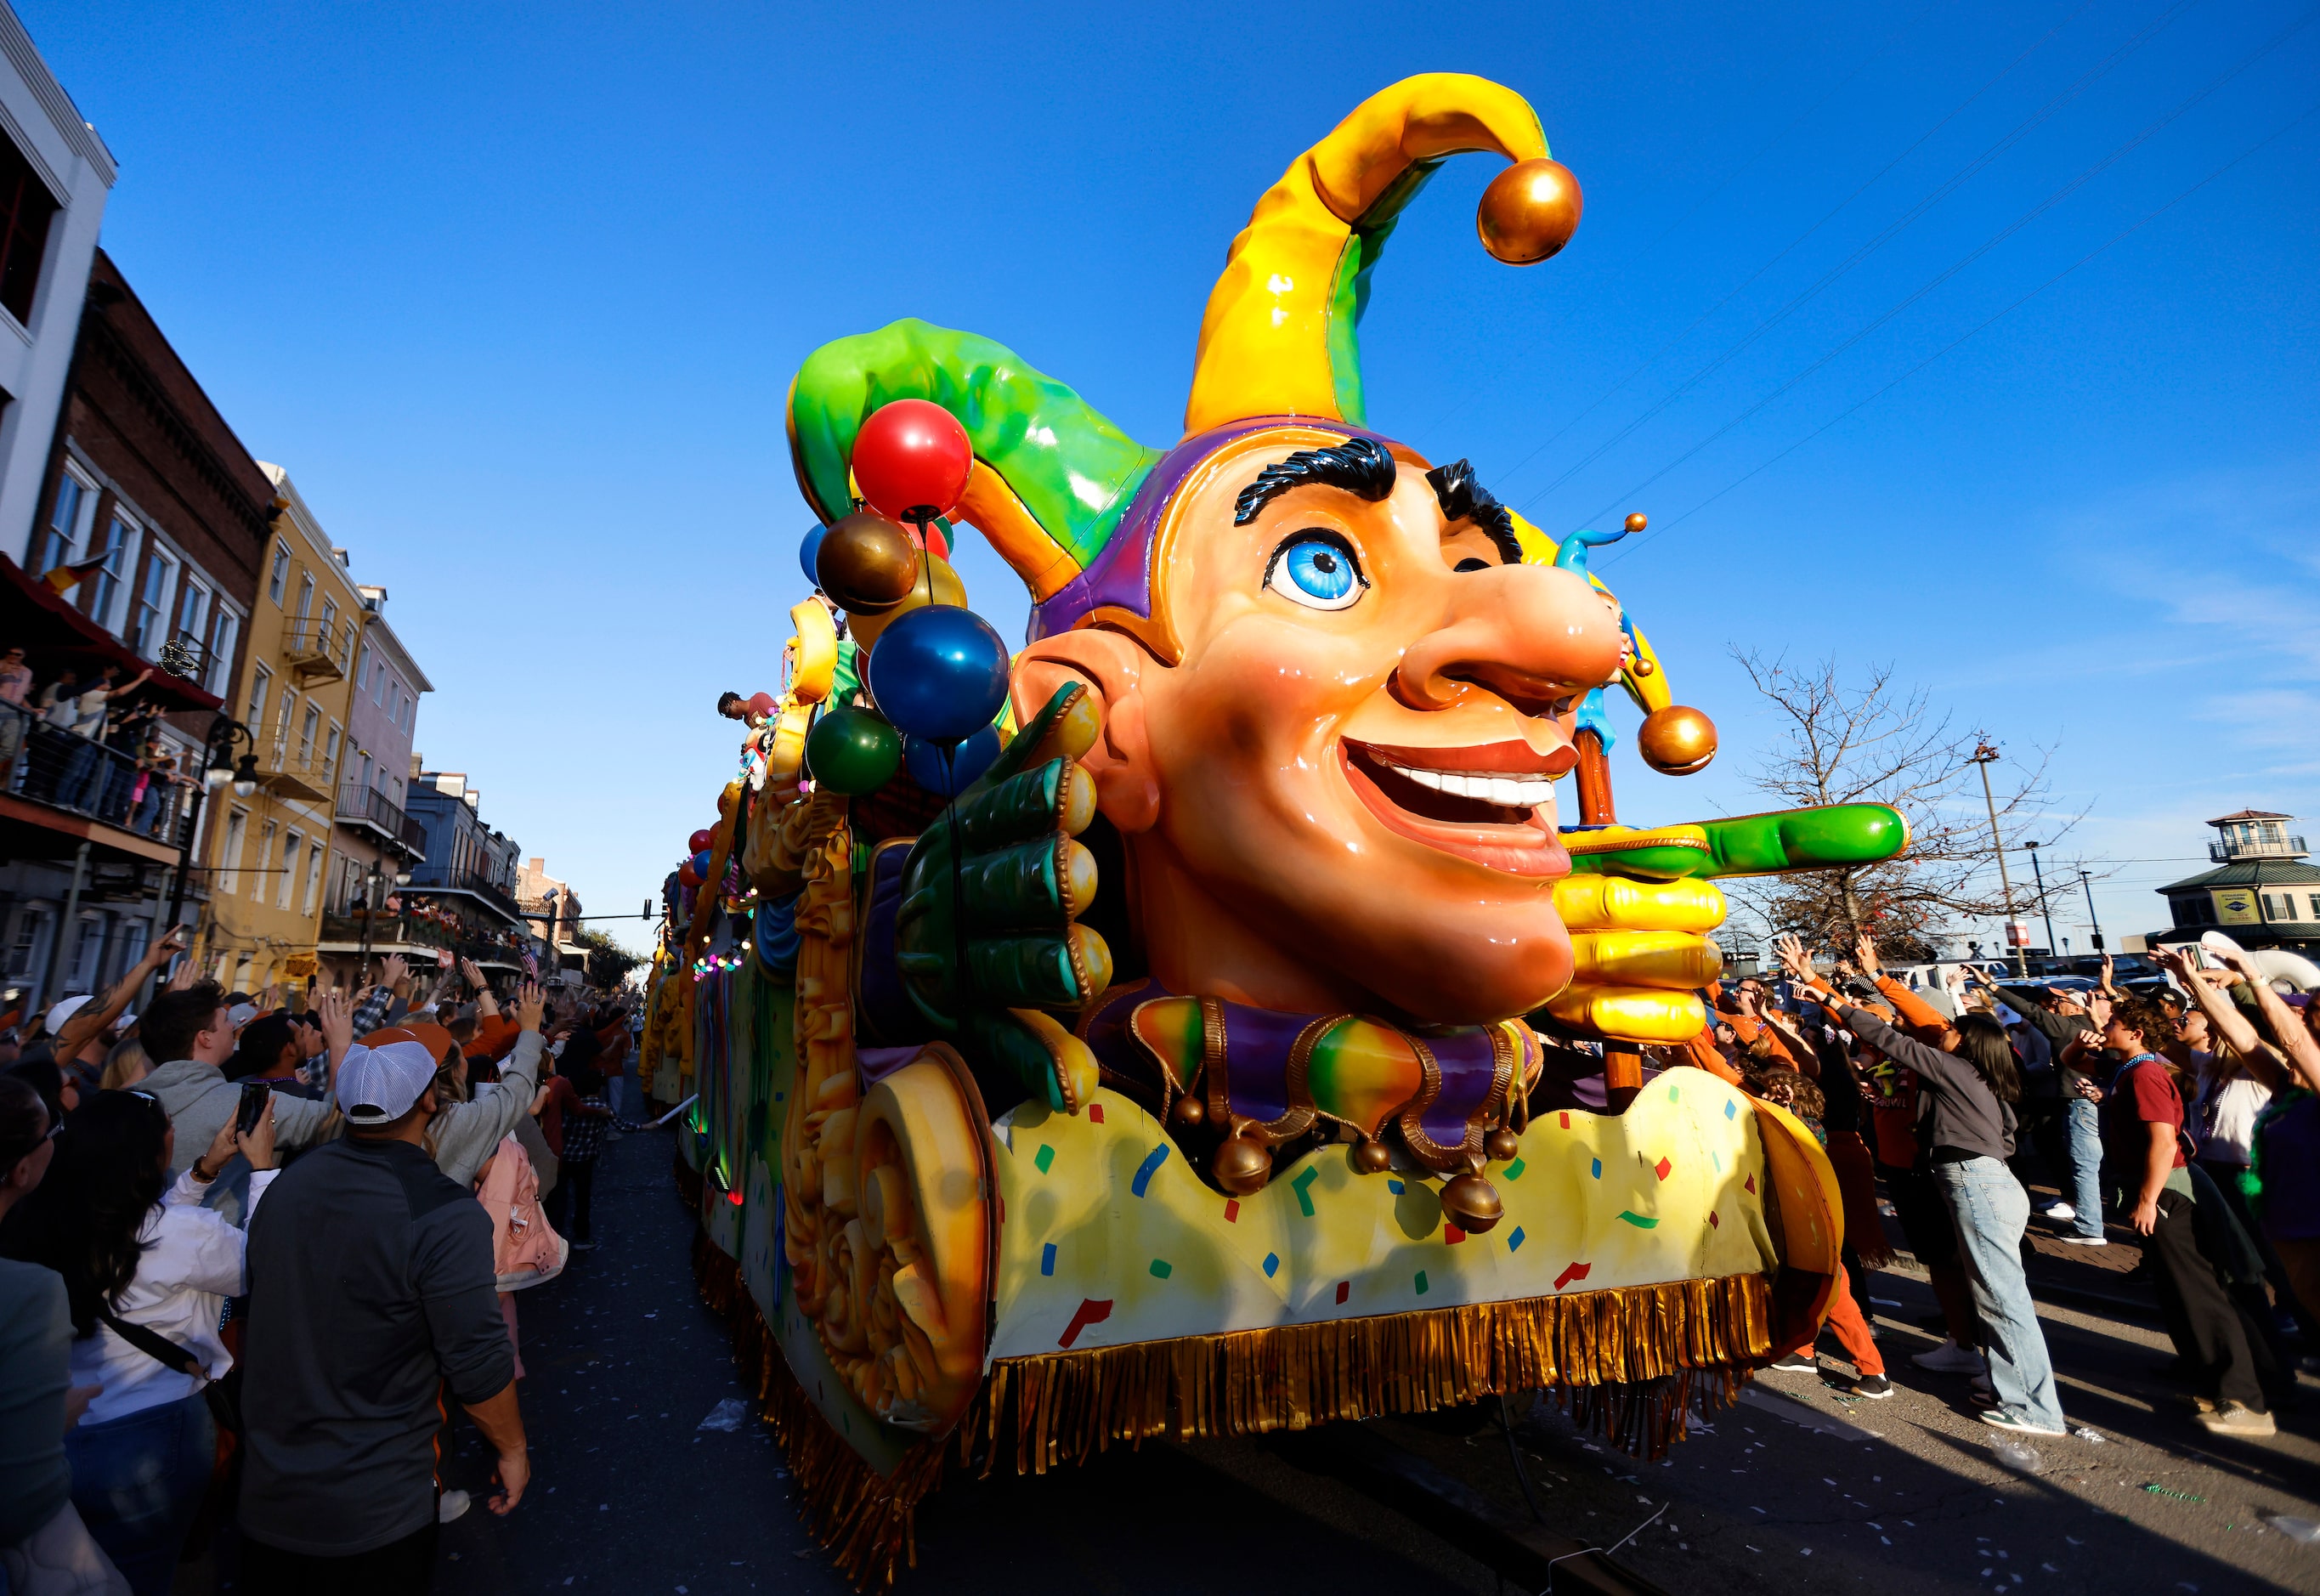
pixel 515 293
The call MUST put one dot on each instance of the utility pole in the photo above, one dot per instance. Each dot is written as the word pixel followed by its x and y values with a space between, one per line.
pixel 1985 756
pixel 2044 908
pixel 2091 917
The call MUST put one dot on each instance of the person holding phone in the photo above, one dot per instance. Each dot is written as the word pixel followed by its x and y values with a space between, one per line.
pixel 147 1270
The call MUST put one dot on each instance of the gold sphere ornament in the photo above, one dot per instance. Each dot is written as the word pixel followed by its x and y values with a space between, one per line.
pixel 937 584
pixel 1472 1203
pixel 1676 740
pixel 867 564
pixel 1242 1166
pixel 1370 1156
pixel 1639 522
pixel 1502 1146
pixel 1189 1113
pixel 1528 212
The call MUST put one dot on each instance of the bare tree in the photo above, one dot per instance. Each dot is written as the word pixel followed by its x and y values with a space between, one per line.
pixel 1872 741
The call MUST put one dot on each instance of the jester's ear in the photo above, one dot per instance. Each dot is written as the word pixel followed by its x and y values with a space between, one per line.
pixel 1111 665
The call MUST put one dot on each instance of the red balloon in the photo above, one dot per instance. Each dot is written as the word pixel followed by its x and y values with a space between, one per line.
pixel 912 460
pixel 686 875
pixel 699 840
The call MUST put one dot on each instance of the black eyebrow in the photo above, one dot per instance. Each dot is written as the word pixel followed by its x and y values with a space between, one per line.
pixel 1465 499
pixel 1357 465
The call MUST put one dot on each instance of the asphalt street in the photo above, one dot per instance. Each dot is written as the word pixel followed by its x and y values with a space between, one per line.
pixel 1797 1488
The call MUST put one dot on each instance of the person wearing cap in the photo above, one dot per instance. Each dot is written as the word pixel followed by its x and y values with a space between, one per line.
pixel 75 1026
pixel 191 1033
pixel 466 1130
pixel 371 1288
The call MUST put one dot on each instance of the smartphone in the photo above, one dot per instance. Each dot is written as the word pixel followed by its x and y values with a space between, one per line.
pixel 255 1096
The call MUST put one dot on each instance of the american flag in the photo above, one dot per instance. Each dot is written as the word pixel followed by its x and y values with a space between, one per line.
pixel 530 965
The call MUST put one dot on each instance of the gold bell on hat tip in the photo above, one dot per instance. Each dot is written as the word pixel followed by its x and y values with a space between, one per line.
pixel 1528 212
pixel 1370 1156
pixel 1472 1203
pixel 1502 1146
pixel 1242 1166
pixel 1676 740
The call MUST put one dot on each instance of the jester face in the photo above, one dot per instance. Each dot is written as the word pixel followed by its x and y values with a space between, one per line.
pixel 1340 792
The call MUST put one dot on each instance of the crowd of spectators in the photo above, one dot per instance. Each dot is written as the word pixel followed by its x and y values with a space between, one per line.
pixel 81 741
pixel 2184 1109
pixel 251 1252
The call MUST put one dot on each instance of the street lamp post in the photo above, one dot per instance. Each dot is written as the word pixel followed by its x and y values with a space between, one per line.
pixel 2091 917
pixel 1985 756
pixel 2044 908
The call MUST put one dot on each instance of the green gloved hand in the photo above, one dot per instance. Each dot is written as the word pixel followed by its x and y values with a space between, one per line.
pixel 1825 838
pixel 986 947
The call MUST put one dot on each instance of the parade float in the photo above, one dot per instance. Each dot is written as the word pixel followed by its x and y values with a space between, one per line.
pixel 1207 1018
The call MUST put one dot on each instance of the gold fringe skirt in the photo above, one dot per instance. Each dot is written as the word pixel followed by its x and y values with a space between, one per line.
pixel 1629 1363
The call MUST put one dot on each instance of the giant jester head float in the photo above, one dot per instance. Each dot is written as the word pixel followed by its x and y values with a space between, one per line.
pixel 1337 680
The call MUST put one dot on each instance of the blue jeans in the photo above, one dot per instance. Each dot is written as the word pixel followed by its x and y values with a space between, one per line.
pixel 2086 1165
pixel 138 1482
pixel 1992 1210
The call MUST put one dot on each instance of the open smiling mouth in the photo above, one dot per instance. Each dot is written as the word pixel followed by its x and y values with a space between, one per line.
pixel 1492 802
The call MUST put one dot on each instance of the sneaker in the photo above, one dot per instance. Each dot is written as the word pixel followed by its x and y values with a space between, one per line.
pixel 2202 1406
pixel 451 1505
pixel 2014 1419
pixel 1875 1387
pixel 2058 1212
pixel 2236 1419
pixel 2075 1239
pixel 1950 1358
pixel 1794 1363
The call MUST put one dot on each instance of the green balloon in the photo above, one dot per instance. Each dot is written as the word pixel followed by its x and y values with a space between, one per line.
pixel 853 751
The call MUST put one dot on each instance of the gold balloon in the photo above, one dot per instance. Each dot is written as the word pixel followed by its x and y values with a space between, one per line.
pixel 1676 740
pixel 1528 212
pixel 935 572
pixel 868 565
pixel 1637 522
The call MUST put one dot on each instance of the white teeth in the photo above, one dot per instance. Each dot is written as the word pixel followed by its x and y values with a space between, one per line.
pixel 1507 792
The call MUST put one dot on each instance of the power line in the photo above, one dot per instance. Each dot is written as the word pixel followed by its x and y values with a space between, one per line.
pixel 1697 205
pixel 1855 408
pixel 1791 247
pixel 1893 230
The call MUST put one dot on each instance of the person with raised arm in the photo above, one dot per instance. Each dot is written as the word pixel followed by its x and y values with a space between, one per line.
pixel 1968 1088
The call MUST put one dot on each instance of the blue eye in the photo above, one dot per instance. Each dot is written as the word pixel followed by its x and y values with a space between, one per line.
pixel 1317 570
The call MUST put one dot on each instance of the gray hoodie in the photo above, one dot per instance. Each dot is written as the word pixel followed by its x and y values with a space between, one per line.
pixel 465 1135
pixel 199 1100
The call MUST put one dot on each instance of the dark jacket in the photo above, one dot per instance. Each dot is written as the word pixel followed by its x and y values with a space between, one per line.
pixel 371 1285
pixel 1957 1113
pixel 2059 1030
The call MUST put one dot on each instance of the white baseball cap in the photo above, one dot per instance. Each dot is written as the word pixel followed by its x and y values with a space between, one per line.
pixel 377 1085
pixel 240 1014
pixel 64 1008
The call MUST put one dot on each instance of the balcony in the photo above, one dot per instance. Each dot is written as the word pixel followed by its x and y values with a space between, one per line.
pixel 475 885
pixel 2231 850
pixel 69 787
pixel 369 809
pixel 291 770
pixel 316 651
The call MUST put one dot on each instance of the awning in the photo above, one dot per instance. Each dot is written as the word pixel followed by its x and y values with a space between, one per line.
pixel 54 635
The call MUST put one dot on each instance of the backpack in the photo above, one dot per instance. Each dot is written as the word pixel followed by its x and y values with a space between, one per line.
pixel 524 1250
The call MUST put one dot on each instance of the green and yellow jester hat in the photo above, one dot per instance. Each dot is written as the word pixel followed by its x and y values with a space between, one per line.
pixel 1083 512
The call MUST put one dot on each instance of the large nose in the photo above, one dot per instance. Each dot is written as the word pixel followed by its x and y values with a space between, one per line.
pixel 1529 634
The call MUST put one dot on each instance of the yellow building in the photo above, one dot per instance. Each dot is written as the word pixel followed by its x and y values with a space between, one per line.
pixel 267 850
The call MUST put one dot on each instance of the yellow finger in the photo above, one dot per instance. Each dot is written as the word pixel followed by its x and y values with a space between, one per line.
pixel 1612 903
pixel 1630 1013
pixel 1677 959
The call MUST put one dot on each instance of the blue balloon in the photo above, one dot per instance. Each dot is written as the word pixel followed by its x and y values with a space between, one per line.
pixel 809 551
pixel 939 673
pixel 700 864
pixel 970 759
